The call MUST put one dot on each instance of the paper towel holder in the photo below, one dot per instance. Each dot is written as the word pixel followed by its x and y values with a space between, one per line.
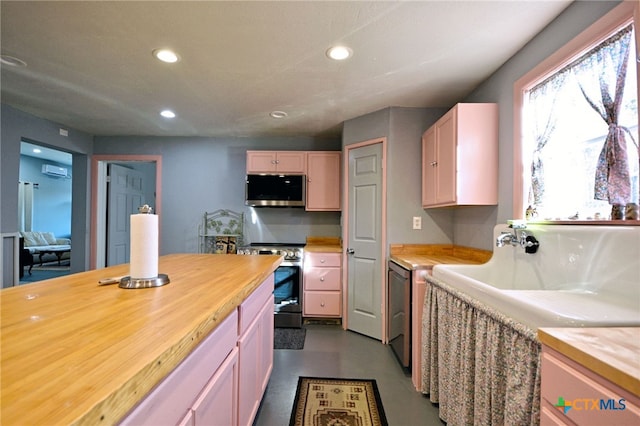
pixel 160 280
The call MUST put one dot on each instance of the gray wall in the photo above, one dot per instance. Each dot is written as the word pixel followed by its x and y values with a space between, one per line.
pixel 403 128
pixel 206 174
pixel 15 127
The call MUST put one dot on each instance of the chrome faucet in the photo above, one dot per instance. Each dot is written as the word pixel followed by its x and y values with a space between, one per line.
pixel 526 240
pixel 507 237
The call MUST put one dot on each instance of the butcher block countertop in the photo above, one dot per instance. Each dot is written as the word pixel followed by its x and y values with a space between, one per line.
pixel 425 256
pixel 74 352
pixel 323 245
pixel 611 352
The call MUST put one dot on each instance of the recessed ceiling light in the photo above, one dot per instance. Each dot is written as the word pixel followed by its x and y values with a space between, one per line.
pixel 278 114
pixel 37 150
pixel 166 55
pixel 12 61
pixel 167 113
pixel 339 53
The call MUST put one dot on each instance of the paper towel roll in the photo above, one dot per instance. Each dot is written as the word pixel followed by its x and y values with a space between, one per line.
pixel 144 246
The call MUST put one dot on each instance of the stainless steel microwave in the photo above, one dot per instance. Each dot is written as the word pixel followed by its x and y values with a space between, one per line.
pixel 275 190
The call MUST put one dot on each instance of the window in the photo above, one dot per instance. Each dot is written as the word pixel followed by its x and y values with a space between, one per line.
pixel 578 126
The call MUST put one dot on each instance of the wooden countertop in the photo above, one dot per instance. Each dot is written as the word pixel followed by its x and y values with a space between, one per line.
pixel 323 245
pixel 74 352
pixel 611 352
pixel 425 256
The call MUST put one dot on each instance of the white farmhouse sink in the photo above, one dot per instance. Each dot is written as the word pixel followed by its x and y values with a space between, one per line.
pixel 581 276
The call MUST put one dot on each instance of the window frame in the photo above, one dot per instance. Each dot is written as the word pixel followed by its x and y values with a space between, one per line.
pixel 626 12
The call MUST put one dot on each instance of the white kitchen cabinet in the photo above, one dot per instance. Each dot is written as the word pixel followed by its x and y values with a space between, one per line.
pixel 460 157
pixel 322 285
pixel 323 181
pixel 294 162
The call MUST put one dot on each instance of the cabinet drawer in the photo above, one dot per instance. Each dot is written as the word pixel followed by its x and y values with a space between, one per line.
pixel 322 279
pixel 249 309
pixel 322 259
pixel 593 400
pixel 322 303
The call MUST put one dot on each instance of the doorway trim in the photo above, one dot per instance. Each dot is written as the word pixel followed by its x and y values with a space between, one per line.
pixel 98 190
pixel 345 232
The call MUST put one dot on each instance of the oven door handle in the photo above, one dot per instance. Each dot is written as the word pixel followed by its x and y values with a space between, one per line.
pixel 288 263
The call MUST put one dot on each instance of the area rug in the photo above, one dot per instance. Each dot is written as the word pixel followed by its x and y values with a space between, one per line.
pixel 289 338
pixel 337 402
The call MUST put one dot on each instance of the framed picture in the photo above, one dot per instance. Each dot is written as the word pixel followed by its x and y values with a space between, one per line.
pixel 222 243
pixel 232 245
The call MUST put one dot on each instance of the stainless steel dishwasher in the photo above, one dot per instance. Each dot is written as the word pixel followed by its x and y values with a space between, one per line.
pixel 399 313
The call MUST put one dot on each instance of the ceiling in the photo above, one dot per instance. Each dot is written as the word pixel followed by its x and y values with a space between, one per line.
pixel 90 67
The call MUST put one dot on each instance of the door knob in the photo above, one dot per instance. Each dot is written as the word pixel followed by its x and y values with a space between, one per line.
pixel 350 251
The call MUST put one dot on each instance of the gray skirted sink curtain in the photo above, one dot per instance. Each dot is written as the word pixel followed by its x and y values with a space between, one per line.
pixel 480 366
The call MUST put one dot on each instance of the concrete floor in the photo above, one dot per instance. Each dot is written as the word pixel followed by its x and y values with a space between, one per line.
pixel 330 351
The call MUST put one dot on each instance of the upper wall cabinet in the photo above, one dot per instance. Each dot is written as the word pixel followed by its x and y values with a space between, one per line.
pixel 276 162
pixel 460 157
pixel 323 180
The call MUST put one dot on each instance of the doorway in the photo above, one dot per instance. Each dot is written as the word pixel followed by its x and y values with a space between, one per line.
pixel 365 236
pixel 108 242
pixel 44 211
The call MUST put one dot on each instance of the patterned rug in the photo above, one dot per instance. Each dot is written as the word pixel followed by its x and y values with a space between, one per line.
pixel 337 402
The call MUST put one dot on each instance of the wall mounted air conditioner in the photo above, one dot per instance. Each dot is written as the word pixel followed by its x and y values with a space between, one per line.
pixel 55 171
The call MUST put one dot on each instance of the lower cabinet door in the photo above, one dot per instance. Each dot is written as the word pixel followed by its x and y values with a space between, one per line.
pixel 217 405
pixel 188 419
pixel 255 363
pixel 266 355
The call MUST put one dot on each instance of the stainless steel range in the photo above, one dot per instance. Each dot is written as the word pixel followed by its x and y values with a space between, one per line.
pixel 288 281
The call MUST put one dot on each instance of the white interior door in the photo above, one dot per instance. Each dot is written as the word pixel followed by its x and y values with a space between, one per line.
pixel 124 197
pixel 365 281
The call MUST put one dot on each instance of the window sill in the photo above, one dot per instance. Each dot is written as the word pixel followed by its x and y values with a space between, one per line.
pixel 586 222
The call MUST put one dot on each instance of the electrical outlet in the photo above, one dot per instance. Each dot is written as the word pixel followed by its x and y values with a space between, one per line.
pixel 417 222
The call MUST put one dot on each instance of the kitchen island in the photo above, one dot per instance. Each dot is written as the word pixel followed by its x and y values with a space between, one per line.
pixel 74 352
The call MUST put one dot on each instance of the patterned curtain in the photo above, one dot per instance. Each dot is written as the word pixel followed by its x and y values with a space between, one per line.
pixel 542 100
pixel 25 205
pixel 480 366
pixel 601 74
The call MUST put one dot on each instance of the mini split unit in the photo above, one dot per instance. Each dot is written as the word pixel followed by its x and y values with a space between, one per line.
pixel 55 171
